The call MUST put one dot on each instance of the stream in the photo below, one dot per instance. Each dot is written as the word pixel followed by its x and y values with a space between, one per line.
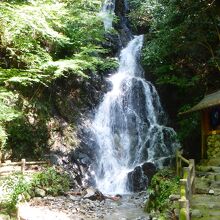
pixel 129 207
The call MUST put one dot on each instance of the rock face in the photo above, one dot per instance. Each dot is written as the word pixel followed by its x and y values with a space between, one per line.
pixel 141 176
pixel 73 102
pixel 122 26
pixel 75 96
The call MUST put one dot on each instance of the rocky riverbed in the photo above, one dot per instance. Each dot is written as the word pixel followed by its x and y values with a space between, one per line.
pixel 129 207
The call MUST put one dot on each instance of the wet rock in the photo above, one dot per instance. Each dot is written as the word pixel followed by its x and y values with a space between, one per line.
pixel 74 198
pixel 138 181
pixel 94 194
pixel 149 170
pixel 39 192
pixel 140 177
pixel 54 159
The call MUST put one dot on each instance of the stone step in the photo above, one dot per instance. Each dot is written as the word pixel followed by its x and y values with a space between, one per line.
pixel 202 205
pixel 206 218
pixel 209 191
pixel 214 162
pixel 209 168
pixel 202 185
pixel 208 175
pixel 205 185
pixel 205 212
pixel 204 199
pixel 215 184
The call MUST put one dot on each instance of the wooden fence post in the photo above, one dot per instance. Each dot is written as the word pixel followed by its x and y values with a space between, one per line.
pixel 177 163
pixel 23 161
pixel 193 175
pixel 186 175
pixel 184 209
pixel 183 188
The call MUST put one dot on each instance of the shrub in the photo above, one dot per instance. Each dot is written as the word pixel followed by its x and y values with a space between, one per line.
pixel 163 184
pixel 18 187
pixel 13 188
pixel 52 181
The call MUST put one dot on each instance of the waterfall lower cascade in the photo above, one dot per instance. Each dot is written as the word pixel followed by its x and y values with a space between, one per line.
pixel 129 125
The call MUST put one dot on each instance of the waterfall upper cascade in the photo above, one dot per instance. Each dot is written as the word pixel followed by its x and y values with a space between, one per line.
pixel 107 13
pixel 129 124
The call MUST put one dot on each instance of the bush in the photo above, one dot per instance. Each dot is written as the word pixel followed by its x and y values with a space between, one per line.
pixel 163 184
pixel 52 181
pixel 18 187
pixel 14 188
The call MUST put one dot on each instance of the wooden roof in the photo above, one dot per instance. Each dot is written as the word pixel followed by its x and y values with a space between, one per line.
pixel 207 102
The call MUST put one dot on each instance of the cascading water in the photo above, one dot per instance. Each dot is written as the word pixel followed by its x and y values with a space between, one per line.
pixel 107 13
pixel 128 124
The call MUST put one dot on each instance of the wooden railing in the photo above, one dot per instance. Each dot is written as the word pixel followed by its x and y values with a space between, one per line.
pixel 187 184
pixel 23 163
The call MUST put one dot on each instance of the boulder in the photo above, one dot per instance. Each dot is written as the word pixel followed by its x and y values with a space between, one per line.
pixel 138 181
pixel 149 170
pixel 39 192
pixel 93 194
pixel 141 176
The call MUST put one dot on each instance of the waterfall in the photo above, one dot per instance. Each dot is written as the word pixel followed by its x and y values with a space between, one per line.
pixel 107 13
pixel 129 124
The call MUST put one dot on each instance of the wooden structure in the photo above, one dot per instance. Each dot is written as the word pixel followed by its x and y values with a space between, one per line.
pixel 187 184
pixel 209 107
pixel 18 166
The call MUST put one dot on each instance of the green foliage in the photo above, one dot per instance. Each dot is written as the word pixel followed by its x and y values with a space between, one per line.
pixel 54 182
pixel 28 134
pixel 7 102
pixel 27 140
pixel 181 52
pixel 36 21
pixel 141 14
pixel 184 38
pixel 108 64
pixel 17 187
pixel 189 125
pixel 7 113
pixel 37 34
pixel 13 190
pixel 41 41
pixel 163 184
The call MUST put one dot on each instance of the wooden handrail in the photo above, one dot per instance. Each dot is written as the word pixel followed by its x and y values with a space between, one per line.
pixel 187 184
pixel 22 163
pixel 19 163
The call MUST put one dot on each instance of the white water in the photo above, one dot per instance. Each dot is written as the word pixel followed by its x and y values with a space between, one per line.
pixel 107 13
pixel 126 124
pixel 129 124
